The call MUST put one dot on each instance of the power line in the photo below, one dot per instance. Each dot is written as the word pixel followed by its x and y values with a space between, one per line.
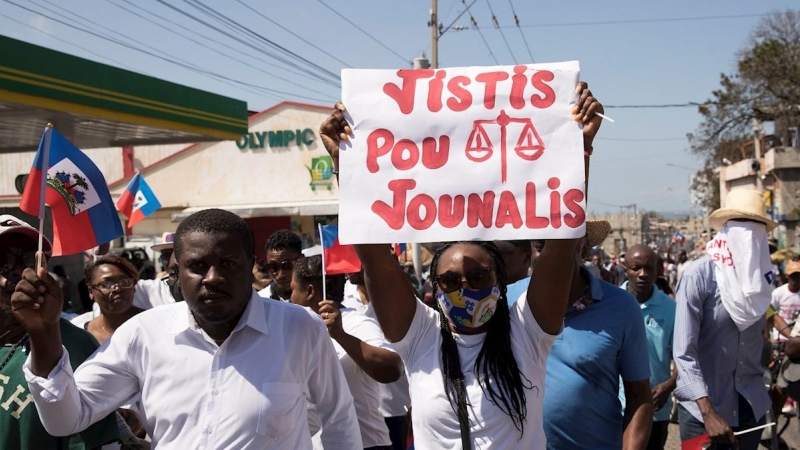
pixel 503 35
pixel 229 47
pixel 68 42
pixel 521 33
pixel 634 21
pixel 640 140
pixel 164 55
pixel 211 12
pixel 277 24
pixel 169 59
pixel 475 26
pixel 405 60
pixel 226 55
pixel 302 71
pixel 673 105
pixel 639 158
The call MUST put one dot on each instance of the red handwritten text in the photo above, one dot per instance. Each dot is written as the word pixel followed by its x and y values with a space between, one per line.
pixel 461 97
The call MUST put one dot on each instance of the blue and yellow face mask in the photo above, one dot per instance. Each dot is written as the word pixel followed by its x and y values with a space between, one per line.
pixel 469 309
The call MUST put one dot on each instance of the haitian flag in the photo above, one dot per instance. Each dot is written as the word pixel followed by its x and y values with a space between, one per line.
pixel 138 201
pixel 399 249
pixel 76 191
pixel 337 258
pixel 678 238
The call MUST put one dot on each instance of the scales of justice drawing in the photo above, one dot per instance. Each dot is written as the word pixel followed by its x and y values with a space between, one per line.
pixel 480 148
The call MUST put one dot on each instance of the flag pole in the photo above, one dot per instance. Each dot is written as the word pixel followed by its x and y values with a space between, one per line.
pixel 322 243
pixel 48 131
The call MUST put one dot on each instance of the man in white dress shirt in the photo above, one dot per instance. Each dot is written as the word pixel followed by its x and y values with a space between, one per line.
pixel 224 369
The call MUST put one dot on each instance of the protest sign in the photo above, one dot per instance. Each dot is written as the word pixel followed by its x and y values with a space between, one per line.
pixel 461 153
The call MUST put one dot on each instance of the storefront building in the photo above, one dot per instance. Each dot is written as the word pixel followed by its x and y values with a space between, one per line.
pixel 276 176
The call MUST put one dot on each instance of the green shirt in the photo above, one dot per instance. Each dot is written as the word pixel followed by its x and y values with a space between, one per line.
pixel 20 427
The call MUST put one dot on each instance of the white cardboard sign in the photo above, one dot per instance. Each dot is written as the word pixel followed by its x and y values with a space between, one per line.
pixel 474 153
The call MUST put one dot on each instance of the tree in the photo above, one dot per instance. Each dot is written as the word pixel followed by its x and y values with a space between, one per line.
pixel 764 87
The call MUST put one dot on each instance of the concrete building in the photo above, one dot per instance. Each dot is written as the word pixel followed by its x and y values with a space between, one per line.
pixel 778 173
pixel 278 175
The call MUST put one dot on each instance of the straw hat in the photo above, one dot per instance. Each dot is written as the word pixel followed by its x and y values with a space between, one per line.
pixel 167 242
pixel 597 231
pixel 742 204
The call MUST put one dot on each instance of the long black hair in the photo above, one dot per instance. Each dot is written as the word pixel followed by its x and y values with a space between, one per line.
pixel 496 368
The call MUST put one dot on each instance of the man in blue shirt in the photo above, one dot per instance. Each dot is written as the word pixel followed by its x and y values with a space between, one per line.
pixel 658 312
pixel 603 339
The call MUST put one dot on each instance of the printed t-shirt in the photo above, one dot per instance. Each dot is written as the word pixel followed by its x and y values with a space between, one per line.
pixel 787 303
pixel 435 424
pixel 20 427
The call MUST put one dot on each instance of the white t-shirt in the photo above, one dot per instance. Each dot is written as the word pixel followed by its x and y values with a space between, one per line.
pixel 787 303
pixel 395 399
pixel 267 293
pixel 366 394
pixel 435 423
pixel 351 297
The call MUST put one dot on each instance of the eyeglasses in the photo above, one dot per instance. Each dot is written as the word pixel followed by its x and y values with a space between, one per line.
pixel 477 278
pixel 16 256
pixel 275 267
pixel 107 286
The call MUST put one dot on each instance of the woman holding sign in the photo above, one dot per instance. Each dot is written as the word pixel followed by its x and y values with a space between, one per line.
pixel 476 366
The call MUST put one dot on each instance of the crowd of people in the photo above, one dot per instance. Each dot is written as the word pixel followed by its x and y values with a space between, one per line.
pixel 505 345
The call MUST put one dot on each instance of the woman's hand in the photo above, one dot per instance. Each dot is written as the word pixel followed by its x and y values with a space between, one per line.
pixel 332 317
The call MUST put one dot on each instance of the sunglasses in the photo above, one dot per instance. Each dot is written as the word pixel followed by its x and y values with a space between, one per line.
pixel 275 267
pixel 477 278
pixel 14 257
pixel 107 286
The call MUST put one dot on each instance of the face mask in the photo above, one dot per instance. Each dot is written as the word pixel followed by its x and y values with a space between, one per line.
pixel 469 309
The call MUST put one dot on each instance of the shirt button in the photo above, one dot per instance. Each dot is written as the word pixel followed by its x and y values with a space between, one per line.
pixel 214 392
pixel 207 430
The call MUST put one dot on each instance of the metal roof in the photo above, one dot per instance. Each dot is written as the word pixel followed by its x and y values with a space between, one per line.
pixel 96 105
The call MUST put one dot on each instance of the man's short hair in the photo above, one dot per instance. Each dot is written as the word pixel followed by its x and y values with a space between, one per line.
pixel 284 240
pixel 215 221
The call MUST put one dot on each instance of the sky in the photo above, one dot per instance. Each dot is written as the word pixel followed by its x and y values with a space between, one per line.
pixel 631 53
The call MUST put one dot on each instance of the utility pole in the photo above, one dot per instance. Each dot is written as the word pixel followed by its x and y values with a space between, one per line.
pixel 757 130
pixel 434 24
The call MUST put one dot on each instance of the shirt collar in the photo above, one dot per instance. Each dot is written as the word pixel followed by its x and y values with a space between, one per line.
pixel 255 317
pixel 655 299
pixel 594 284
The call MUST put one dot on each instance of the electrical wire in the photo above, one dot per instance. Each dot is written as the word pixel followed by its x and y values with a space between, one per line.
pixel 483 38
pixel 277 24
pixel 211 12
pixel 256 56
pixel 302 71
pixel 640 140
pixel 226 55
pixel 403 58
pixel 521 33
pixel 221 78
pixel 120 64
pixel 634 21
pixel 673 105
pixel 503 35
pixel 164 55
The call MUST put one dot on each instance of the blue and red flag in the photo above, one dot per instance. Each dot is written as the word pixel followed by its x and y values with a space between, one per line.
pixel 338 258
pixel 678 238
pixel 83 212
pixel 399 249
pixel 138 201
